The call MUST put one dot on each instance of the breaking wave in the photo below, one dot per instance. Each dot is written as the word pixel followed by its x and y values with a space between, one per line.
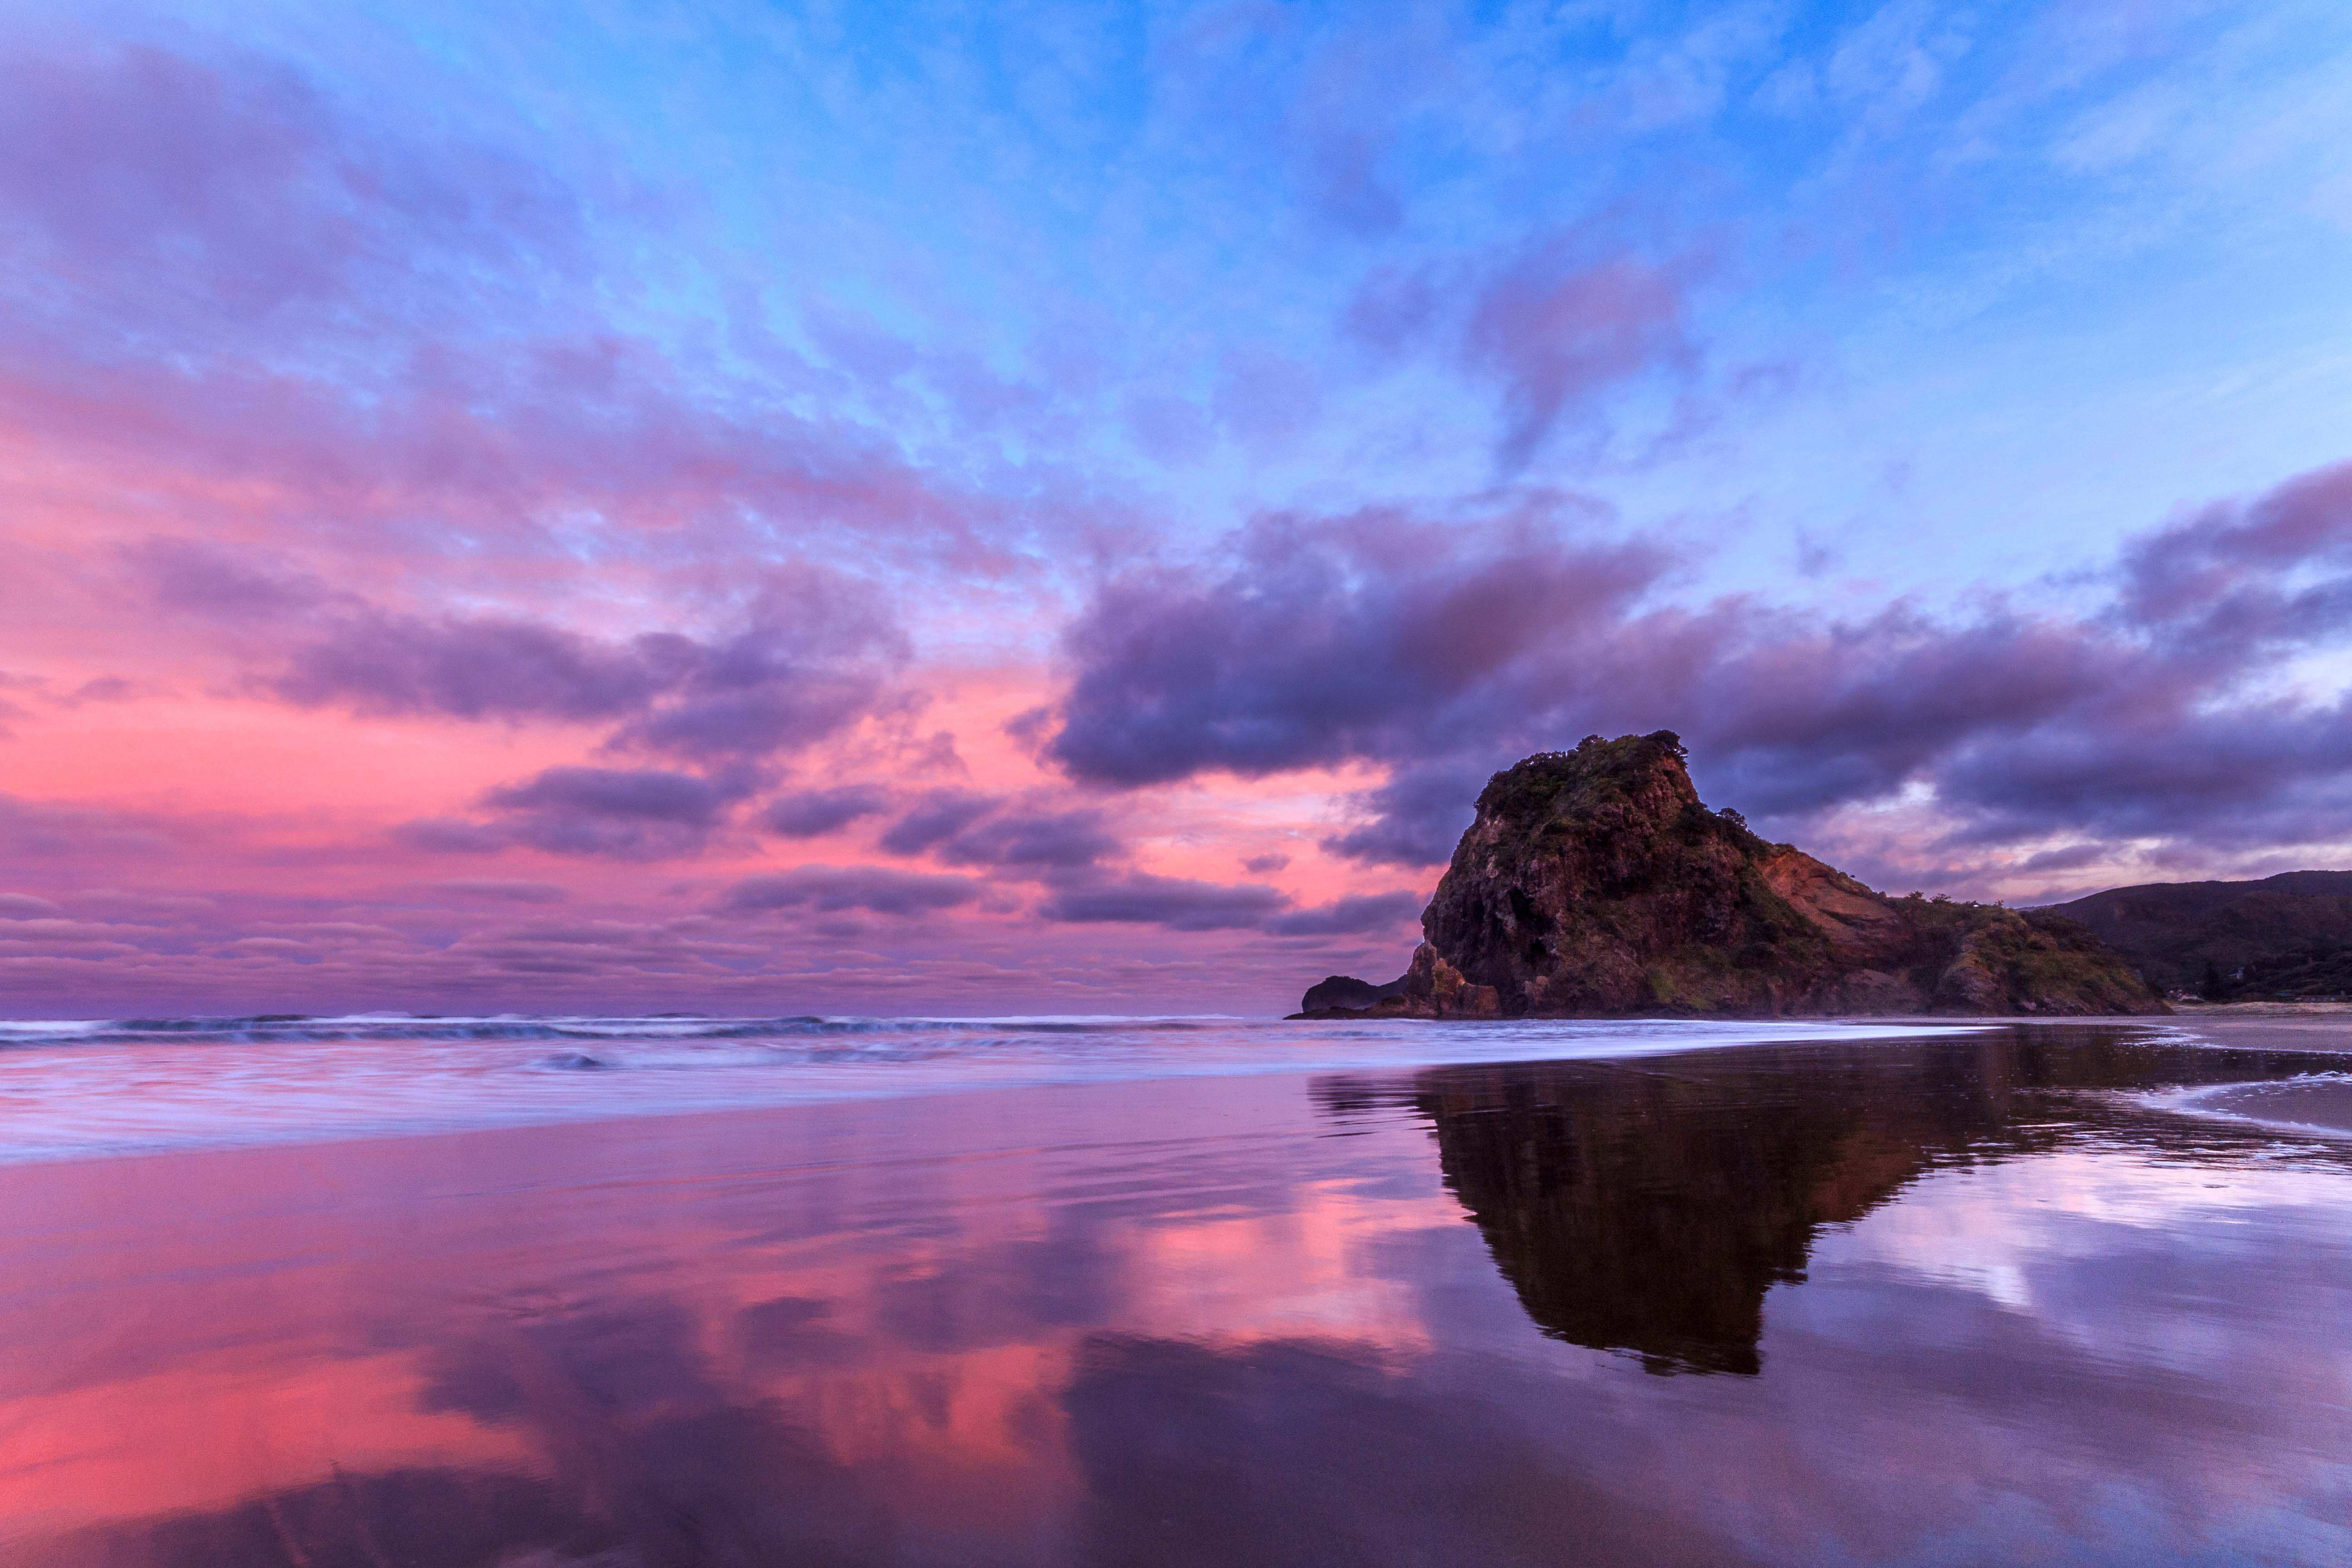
pixel 390 1026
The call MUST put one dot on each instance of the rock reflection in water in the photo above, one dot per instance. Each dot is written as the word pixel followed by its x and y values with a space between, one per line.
pixel 1648 1206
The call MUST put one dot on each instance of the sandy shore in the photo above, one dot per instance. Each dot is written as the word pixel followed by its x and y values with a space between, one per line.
pixel 2271 1026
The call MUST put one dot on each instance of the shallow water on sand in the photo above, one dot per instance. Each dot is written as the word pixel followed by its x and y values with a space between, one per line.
pixel 75 1089
pixel 1962 1298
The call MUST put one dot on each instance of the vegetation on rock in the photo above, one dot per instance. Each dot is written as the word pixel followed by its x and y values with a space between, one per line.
pixel 2310 974
pixel 2176 931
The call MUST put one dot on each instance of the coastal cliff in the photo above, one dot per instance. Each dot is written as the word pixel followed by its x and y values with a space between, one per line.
pixel 1594 883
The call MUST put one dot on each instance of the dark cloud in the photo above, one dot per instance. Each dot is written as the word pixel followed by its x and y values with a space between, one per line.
pixel 1176 902
pixel 1350 916
pixel 964 828
pixel 483 668
pixel 1416 816
pixel 1446 655
pixel 503 890
pixel 882 889
pixel 812 814
pixel 809 660
pixel 1264 865
pixel 641 795
pixel 1323 641
pixel 940 815
pixel 1036 838
pixel 449 836
pixel 644 814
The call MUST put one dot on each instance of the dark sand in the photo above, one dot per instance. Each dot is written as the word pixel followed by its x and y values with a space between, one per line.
pixel 1942 1301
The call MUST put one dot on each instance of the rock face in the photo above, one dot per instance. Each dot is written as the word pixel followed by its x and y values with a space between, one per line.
pixel 1595 884
pixel 1346 992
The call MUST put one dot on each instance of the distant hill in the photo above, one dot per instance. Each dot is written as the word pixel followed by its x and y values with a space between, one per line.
pixel 2173 930
pixel 1595 883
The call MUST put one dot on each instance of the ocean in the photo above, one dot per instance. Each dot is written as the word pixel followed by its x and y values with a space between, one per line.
pixel 74 1088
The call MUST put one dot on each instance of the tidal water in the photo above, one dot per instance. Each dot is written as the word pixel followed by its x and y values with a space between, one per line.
pixel 80 1088
pixel 1385 1294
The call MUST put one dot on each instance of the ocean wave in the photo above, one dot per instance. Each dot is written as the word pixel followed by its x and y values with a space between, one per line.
pixel 83 1088
pixel 292 1028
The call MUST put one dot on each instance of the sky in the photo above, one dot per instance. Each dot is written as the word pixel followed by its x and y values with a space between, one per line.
pixel 1059 509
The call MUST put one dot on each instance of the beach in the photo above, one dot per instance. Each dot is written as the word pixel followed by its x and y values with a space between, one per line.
pixel 1961 1295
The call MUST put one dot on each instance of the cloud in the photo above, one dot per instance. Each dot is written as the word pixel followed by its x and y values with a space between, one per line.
pixel 884 889
pixel 502 890
pixel 1563 326
pixel 643 795
pixel 646 814
pixel 1323 640
pixel 231 283
pixel 808 660
pixel 25 907
pixel 449 836
pixel 963 828
pixel 2156 713
pixel 191 200
pixel 1266 864
pixel 812 814
pixel 1178 903
pixel 941 815
pixel 482 669
pixel 33 830
pixel 1352 916
pixel 1032 838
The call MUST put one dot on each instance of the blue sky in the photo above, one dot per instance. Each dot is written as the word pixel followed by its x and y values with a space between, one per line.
pixel 1968 293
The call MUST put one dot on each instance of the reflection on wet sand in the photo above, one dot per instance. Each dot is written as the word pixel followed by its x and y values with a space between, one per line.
pixel 1649 1205
pixel 1217 1321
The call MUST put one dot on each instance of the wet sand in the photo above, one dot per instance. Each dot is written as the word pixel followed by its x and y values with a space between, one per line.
pixel 2272 1026
pixel 2324 1105
pixel 1956 1299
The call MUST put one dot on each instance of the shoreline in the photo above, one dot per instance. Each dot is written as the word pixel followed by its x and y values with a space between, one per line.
pixel 2320 1029
pixel 65 1109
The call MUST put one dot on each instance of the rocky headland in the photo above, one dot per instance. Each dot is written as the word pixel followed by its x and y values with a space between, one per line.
pixel 1595 883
